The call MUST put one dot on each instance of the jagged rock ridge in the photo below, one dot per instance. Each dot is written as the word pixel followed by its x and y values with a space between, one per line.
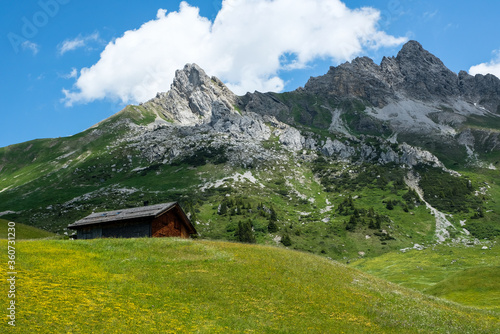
pixel 414 73
pixel 205 108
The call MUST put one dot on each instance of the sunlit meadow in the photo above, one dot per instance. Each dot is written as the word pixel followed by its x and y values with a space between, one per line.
pixel 187 286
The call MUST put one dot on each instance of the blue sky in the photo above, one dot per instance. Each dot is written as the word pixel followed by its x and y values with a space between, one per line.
pixel 68 64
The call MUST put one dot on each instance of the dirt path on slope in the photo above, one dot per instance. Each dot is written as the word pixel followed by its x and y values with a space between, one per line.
pixel 442 223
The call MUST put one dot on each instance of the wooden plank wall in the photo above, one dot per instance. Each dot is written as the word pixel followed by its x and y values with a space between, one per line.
pixel 168 225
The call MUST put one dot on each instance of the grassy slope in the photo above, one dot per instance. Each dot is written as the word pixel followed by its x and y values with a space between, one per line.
pixel 467 275
pixel 24 231
pixel 185 286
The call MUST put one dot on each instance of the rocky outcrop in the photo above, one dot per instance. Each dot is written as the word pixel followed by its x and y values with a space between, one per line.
pixel 413 94
pixel 338 149
pixel 194 98
pixel 265 104
pixel 361 78
pixel 480 89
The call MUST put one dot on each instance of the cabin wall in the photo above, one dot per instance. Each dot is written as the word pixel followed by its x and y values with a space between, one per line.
pixel 89 233
pixel 128 229
pixel 123 229
pixel 168 225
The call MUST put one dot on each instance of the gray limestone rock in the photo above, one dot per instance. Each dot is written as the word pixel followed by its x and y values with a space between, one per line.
pixel 337 148
pixel 194 98
pixel 413 93
pixel 413 74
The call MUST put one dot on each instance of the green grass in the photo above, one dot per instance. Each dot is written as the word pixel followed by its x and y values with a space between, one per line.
pixel 491 123
pixel 184 286
pixel 23 231
pixel 478 287
pixel 466 275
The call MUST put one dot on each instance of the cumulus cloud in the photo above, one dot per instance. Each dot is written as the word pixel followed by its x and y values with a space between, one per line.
pixel 246 46
pixel 492 67
pixel 76 43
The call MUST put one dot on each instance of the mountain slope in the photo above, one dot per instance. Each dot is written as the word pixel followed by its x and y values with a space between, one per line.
pixel 22 231
pixel 466 275
pixel 363 160
pixel 185 286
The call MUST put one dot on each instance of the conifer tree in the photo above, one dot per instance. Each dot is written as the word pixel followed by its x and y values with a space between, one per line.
pixel 223 208
pixel 272 227
pixel 286 241
pixel 273 217
pixel 245 232
pixel 378 222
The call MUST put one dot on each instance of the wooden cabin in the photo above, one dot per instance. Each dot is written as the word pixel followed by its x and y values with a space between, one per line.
pixel 161 220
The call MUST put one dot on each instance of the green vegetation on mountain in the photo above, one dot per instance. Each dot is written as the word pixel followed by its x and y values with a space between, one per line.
pixel 464 274
pixel 51 183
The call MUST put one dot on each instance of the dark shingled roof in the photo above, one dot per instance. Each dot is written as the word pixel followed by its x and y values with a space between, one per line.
pixel 110 216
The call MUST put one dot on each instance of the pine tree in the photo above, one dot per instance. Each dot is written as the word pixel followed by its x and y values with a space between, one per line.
pixel 223 208
pixel 272 227
pixel 405 208
pixel 244 233
pixel 340 209
pixel 350 202
pixel 480 212
pixel 372 225
pixel 286 241
pixel 351 225
pixel 378 222
pixel 273 217
pixel 371 212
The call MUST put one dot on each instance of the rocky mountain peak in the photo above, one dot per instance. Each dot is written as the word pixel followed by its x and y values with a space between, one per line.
pixel 414 74
pixel 413 52
pixel 425 76
pixel 194 97
pixel 190 78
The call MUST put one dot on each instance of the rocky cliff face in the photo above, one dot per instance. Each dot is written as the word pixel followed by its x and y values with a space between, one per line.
pixel 194 98
pixel 412 96
pixel 413 74
pixel 204 112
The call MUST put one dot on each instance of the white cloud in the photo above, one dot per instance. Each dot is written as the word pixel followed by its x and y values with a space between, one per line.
pixel 33 47
pixel 70 75
pixel 76 43
pixel 245 46
pixel 493 67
